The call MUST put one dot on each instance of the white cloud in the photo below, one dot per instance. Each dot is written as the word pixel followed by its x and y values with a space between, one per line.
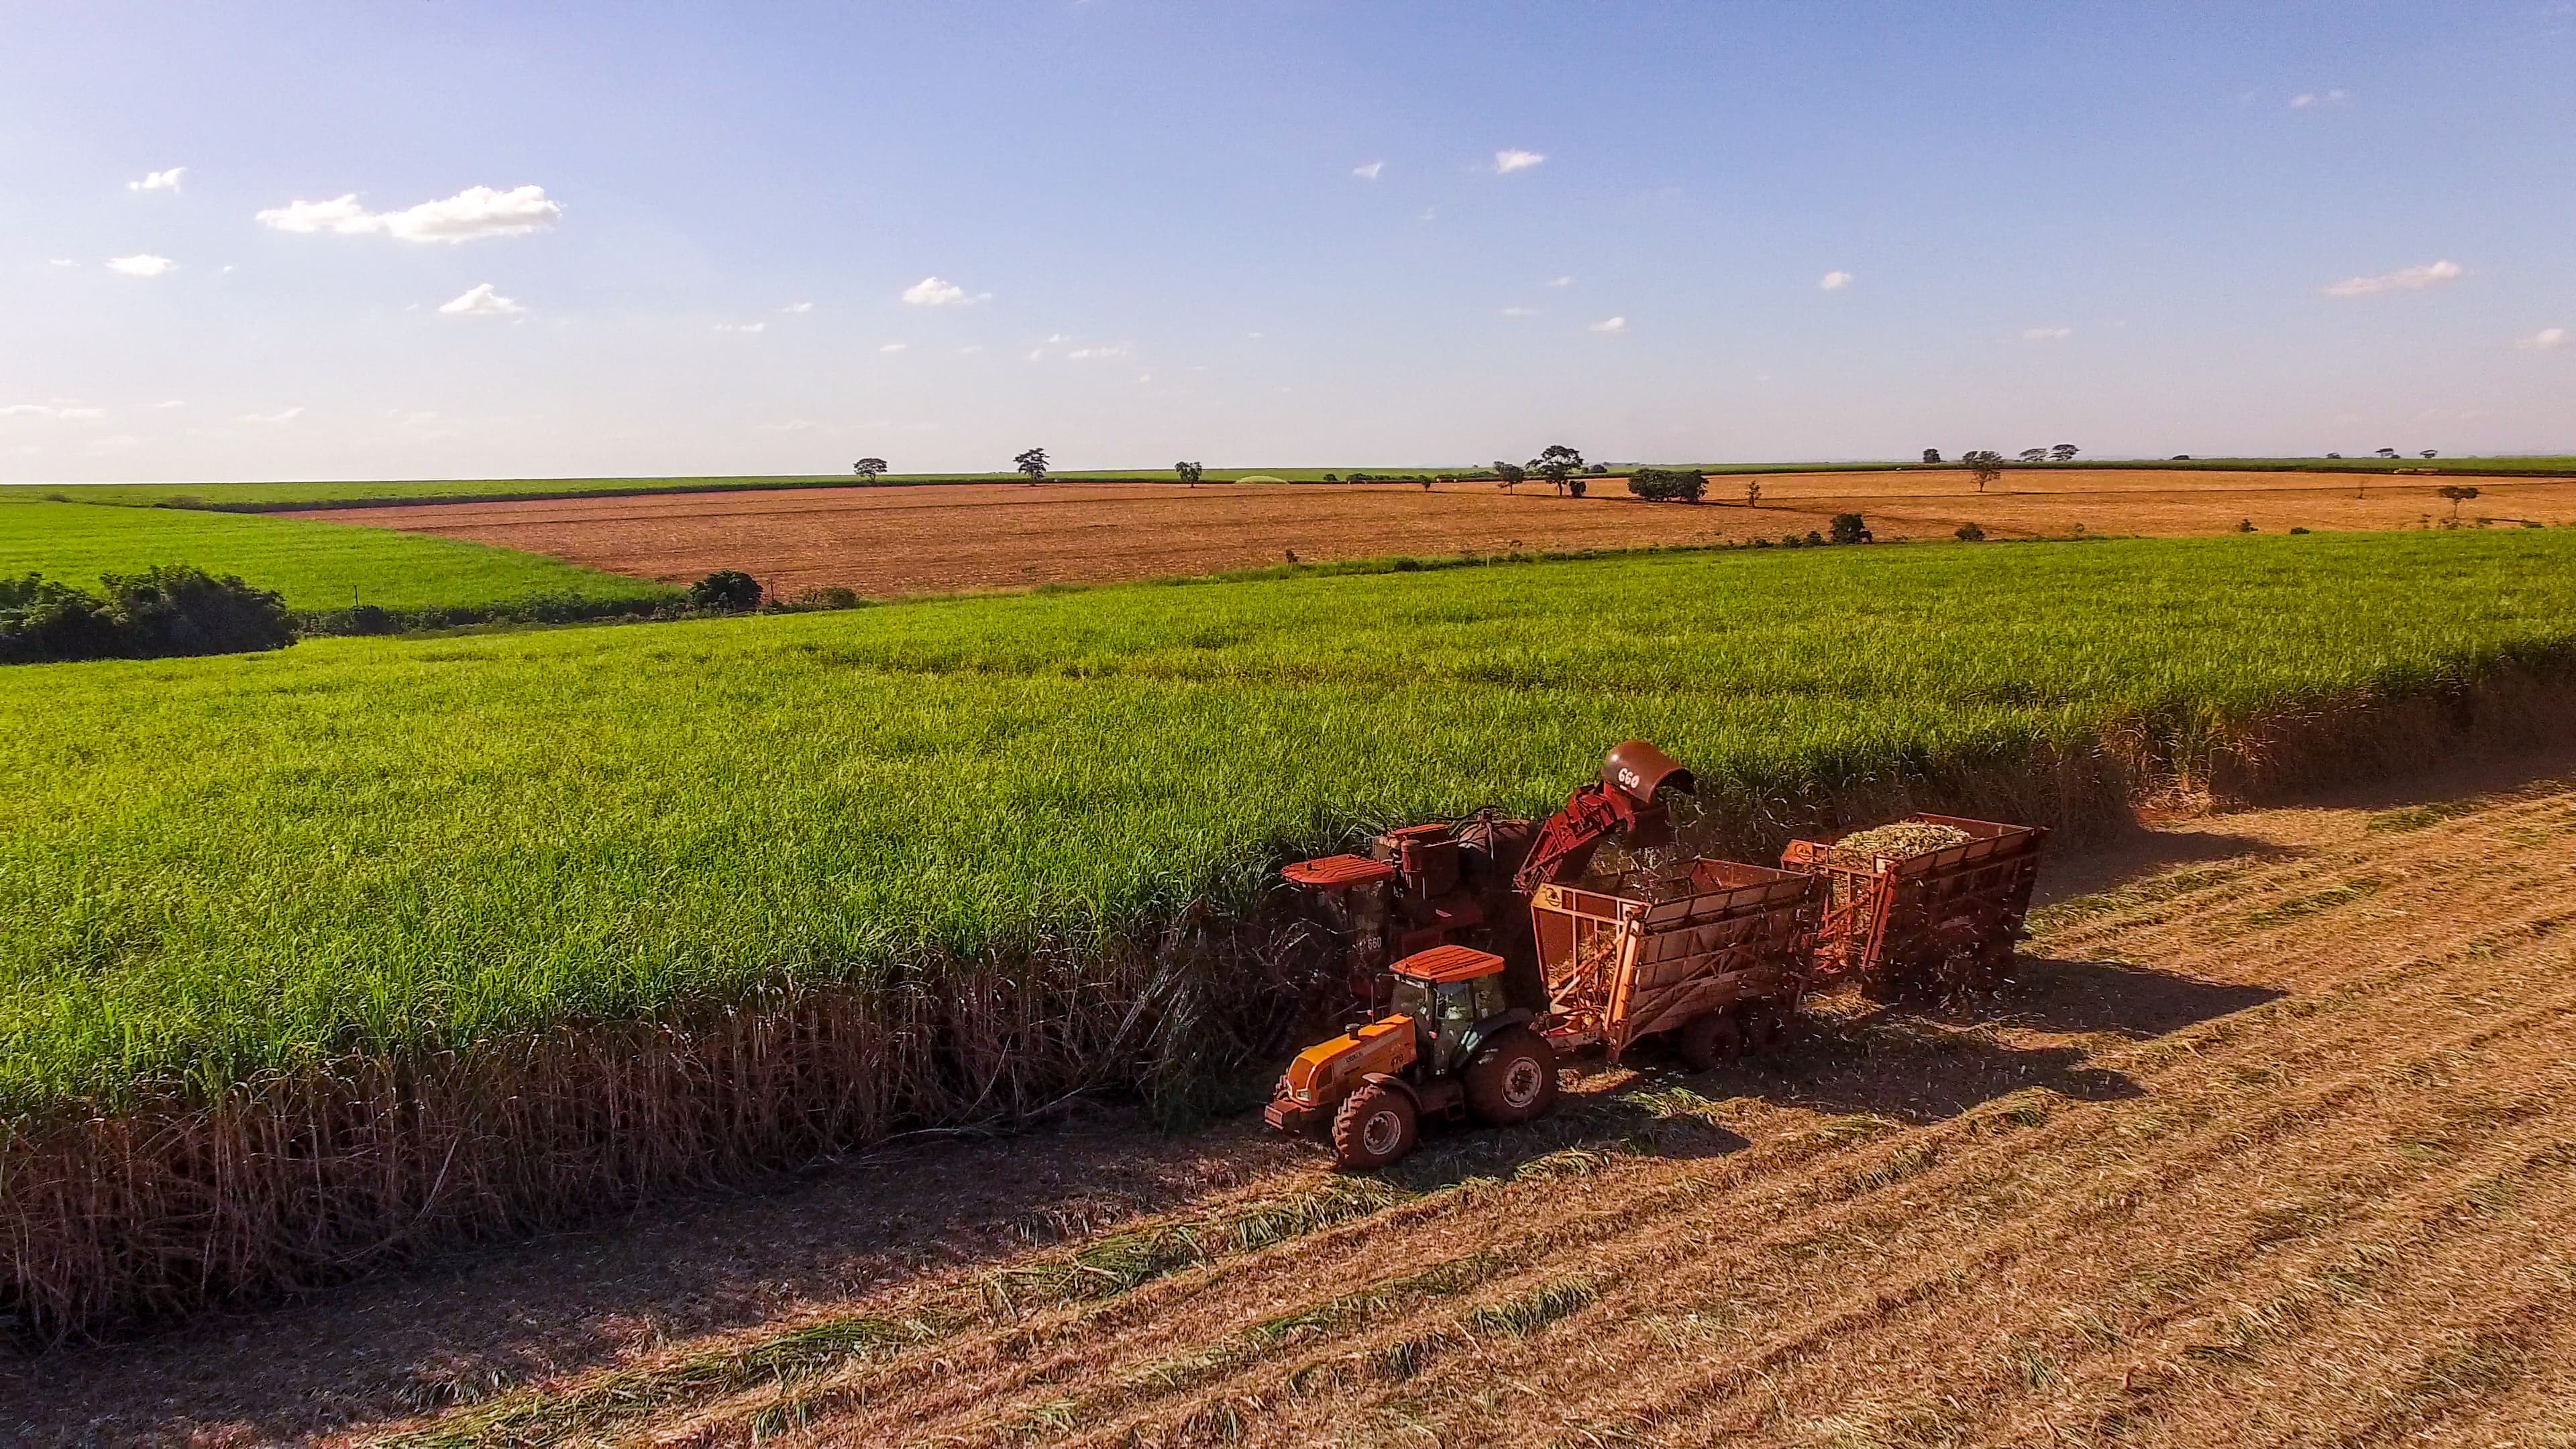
pixel 141 264
pixel 1101 353
pixel 742 327
pixel 1835 281
pixel 176 402
pixel 2547 339
pixel 286 415
pixel 1507 162
pixel 1368 172
pixel 63 262
pixel 2046 334
pixel 970 349
pixel 797 309
pixel 1520 311
pixel 481 301
pixel 475 212
pixel 68 410
pixel 1059 337
pixel 1611 324
pixel 2309 100
pixel 938 292
pixel 1562 282
pixel 158 180
pixel 894 347
pixel 2404 279
pixel 1037 354
pixel 794 425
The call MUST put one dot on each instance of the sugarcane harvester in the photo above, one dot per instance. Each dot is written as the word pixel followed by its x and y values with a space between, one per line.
pixel 1433 914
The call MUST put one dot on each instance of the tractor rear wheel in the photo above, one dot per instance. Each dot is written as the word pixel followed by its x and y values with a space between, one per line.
pixel 1514 1080
pixel 1707 1039
pixel 1374 1127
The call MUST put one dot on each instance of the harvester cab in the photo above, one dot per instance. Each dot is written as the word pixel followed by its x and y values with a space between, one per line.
pixel 1451 1047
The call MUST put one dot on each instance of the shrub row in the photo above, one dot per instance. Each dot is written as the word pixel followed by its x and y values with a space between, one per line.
pixel 158 613
pixel 1667 484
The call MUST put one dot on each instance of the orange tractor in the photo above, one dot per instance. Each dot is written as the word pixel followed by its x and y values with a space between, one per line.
pixel 1452 1046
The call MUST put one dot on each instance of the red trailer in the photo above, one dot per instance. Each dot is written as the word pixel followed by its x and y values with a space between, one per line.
pixel 1934 922
pixel 1713 951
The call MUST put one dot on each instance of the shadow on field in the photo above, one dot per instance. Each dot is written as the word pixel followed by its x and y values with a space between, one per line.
pixel 1913 1066
pixel 2136 1002
pixel 1851 1057
pixel 2135 855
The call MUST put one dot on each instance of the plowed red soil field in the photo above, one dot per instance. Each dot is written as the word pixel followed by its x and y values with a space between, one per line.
pixel 885 542
pixel 2272 1141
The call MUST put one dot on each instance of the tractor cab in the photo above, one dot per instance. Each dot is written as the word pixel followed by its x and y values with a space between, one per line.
pixel 1448 991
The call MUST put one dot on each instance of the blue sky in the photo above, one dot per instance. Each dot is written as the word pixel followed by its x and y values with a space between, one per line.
pixel 680 238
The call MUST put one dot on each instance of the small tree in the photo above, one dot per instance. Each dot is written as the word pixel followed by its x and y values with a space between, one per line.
pixel 2034 455
pixel 2458 493
pixel 2062 453
pixel 2430 453
pixel 1034 463
pixel 1752 492
pixel 1931 455
pixel 1576 486
pixel 869 468
pixel 1969 533
pixel 729 591
pixel 1983 464
pixel 1557 463
pixel 1512 474
pixel 2385 453
pixel 1189 473
pixel 1850 528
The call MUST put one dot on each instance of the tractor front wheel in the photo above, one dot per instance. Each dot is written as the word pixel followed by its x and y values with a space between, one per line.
pixel 1514 1080
pixel 1374 1127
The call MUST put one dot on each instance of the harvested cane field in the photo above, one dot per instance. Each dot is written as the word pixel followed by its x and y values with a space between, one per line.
pixel 321 956
pixel 316 568
pixel 885 542
pixel 2271 1141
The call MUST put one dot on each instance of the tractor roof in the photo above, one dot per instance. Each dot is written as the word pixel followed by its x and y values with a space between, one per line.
pixel 1448 963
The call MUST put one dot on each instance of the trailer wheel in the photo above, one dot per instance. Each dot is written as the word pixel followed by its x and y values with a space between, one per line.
pixel 1707 1039
pixel 1766 1025
pixel 1515 1079
pixel 1374 1127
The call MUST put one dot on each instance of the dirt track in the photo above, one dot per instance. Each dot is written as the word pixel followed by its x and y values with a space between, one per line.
pixel 2274 1142
pixel 890 541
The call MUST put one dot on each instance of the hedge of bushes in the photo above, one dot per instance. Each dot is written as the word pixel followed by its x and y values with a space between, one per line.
pixel 158 613
pixel 1667 484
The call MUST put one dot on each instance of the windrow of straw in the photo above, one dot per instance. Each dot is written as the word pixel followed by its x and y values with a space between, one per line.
pixel 302 1178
